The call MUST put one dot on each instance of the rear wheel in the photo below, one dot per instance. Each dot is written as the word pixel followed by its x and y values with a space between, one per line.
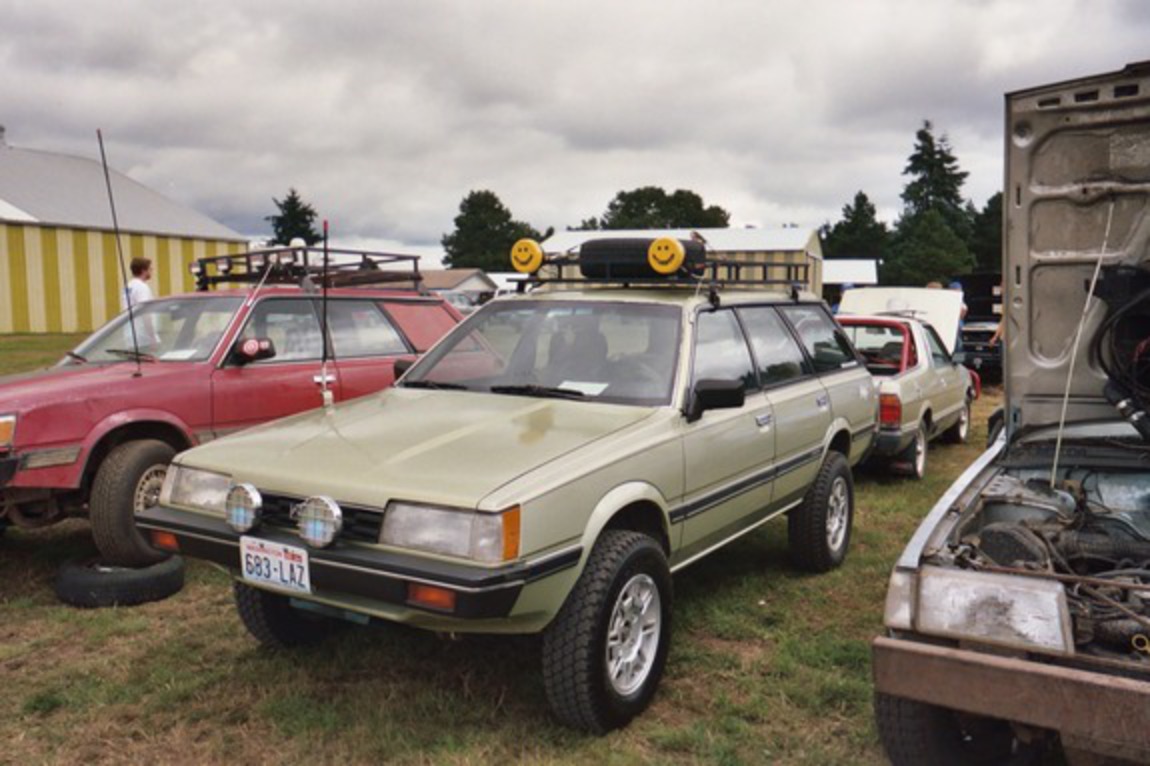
pixel 273 621
pixel 960 431
pixel 915 733
pixel 128 482
pixel 604 653
pixel 819 530
pixel 913 458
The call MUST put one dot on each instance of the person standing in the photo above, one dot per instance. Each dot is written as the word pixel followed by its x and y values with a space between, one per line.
pixel 137 292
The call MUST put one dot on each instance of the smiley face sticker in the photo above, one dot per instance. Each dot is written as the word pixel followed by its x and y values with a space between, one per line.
pixel 666 255
pixel 526 256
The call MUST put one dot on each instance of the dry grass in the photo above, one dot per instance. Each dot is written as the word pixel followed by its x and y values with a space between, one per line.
pixel 767 666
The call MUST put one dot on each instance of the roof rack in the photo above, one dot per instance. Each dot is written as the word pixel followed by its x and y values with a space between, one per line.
pixel 654 262
pixel 304 266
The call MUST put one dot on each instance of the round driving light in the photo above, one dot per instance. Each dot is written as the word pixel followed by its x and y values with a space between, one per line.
pixel 196 268
pixel 666 255
pixel 242 506
pixel 526 256
pixel 319 520
pixel 224 265
pixel 257 261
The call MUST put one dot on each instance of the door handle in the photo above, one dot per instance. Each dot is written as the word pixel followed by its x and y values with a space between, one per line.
pixel 763 421
pixel 822 400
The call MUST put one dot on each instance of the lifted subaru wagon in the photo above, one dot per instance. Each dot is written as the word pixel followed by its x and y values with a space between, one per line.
pixel 546 467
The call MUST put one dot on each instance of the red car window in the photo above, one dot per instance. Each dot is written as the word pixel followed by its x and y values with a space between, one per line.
pixel 422 323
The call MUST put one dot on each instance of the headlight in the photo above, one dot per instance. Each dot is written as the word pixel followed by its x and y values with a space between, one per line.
pixel 486 537
pixel 7 432
pixel 193 488
pixel 243 506
pixel 1008 610
pixel 319 520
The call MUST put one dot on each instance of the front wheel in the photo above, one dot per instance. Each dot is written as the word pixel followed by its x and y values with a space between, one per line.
pixel 273 621
pixel 128 482
pixel 819 530
pixel 915 733
pixel 604 653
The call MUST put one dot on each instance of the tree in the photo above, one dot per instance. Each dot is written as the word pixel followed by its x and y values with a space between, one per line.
pixel 859 234
pixel 484 233
pixel 650 207
pixel 986 238
pixel 295 219
pixel 936 182
pixel 925 249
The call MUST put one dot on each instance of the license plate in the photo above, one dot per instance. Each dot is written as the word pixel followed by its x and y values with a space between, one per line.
pixel 280 566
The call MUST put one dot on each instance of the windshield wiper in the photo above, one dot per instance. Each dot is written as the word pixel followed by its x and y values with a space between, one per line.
pixel 142 356
pixel 434 384
pixel 74 355
pixel 540 391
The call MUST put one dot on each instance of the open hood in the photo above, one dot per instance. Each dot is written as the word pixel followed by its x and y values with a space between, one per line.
pixel 1077 199
pixel 941 309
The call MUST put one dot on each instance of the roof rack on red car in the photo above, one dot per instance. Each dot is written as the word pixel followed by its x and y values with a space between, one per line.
pixel 300 265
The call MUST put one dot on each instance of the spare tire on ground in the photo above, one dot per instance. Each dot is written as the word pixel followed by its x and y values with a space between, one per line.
pixel 92 583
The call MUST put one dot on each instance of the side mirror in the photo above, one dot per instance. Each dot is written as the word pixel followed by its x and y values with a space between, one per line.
pixel 249 350
pixel 401 366
pixel 711 394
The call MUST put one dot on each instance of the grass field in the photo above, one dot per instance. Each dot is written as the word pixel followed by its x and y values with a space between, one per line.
pixel 767 665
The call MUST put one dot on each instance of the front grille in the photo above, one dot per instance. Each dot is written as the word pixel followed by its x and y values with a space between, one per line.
pixel 359 524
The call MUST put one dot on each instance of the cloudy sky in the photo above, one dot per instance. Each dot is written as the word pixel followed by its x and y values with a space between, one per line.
pixel 384 114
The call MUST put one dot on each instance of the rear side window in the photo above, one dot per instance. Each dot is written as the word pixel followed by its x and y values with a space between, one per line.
pixel 359 328
pixel 777 355
pixel 422 323
pixel 721 351
pixel 824 341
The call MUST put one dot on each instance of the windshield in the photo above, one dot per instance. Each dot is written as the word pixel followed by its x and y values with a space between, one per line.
pixel 623 353
pixel 167 330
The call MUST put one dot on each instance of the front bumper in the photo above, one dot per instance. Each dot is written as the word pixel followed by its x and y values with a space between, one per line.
pixel 8 466
pixel 367 580
pixel 1091 711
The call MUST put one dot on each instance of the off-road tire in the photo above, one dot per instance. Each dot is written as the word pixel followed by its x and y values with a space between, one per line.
pixel 959 433
pixel 127 482
pixel 814 545
pixel 915 733
pixel 912 464
pixel 575 644
pixel 274 622
pixel 93 584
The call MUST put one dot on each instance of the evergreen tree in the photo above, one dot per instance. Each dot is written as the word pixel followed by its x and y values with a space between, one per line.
pixel 924 249
pixel 936 182
pixel 650 207
pixel 484 233
pixel 296 218
pixel 859 234
pixel 986 239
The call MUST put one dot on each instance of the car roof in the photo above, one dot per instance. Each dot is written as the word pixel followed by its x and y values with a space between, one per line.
pixel 293 291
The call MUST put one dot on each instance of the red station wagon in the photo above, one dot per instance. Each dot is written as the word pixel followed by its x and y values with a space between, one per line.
pixel 94 434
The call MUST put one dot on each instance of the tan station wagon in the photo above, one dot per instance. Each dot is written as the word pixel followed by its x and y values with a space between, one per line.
pixel 546 467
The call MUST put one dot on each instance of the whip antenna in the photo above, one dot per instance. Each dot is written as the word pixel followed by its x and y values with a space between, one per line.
pixel 120 253
pixel 326 392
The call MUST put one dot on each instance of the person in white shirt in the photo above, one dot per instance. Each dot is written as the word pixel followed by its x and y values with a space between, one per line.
pixel 137 292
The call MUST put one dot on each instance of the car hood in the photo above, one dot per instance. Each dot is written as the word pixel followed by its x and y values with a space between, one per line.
pixel 444 447
pixel 77 382
pixel 1078 168
pixel 942 309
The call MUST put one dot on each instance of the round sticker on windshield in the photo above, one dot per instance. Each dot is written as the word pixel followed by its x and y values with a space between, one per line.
pixel 666 255
pixel 526 256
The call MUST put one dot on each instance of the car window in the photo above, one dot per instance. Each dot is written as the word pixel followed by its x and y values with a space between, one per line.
pixel 882 346
pixel 168 329
pixel 829 349
pixel 292 326
pixel 721 350
pixel 939 357
pixel 777 354
pixel 359 328
pixel 617 352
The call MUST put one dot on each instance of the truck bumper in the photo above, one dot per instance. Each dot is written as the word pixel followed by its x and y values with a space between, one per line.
pixel 1092 711
pixel 8 467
